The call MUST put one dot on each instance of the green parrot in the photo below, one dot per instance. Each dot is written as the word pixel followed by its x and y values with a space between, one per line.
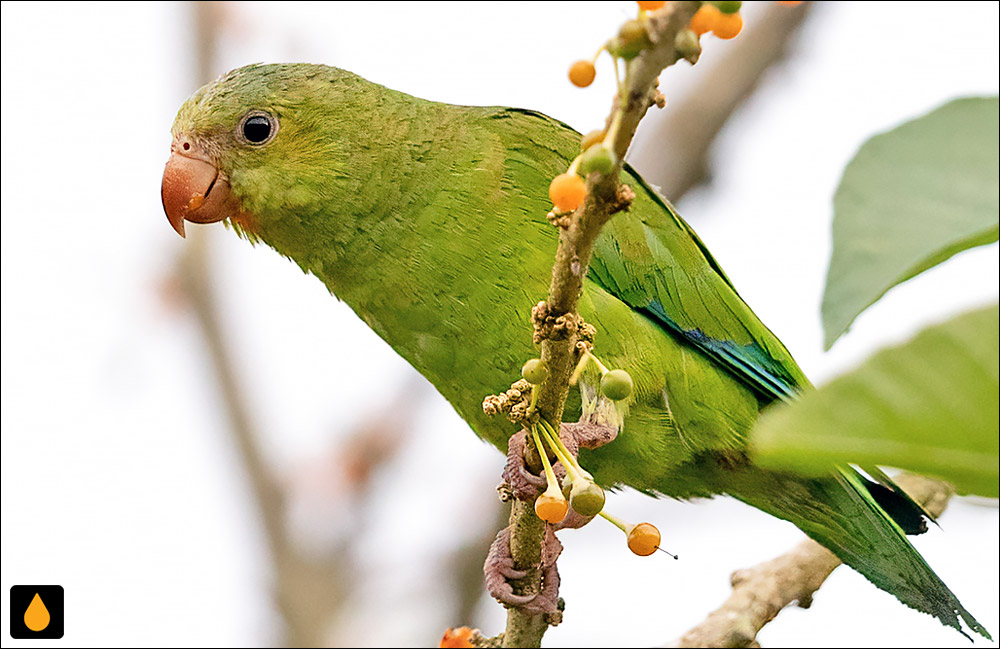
pixel 429 220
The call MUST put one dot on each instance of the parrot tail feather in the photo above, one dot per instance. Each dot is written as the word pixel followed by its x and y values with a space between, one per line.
pixel 843 513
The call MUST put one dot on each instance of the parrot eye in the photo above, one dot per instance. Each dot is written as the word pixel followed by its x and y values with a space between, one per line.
pixel 258 128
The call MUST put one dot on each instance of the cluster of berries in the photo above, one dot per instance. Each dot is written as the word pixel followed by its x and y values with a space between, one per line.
pixel 578 489
pixel 721 18
pixel 568 190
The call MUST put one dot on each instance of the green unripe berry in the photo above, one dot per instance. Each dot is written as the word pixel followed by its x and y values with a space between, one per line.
pixel 687 45
pixel 598 158
pixel 534 371
pixel 616 385
pixel 631 40
pixel 633 31
pixel 728 6
pixel 586 498
pixel 567 485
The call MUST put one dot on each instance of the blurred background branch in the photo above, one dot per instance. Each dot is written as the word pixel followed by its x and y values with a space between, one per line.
pixel 686 129
pixel 761 592
pixel 310 588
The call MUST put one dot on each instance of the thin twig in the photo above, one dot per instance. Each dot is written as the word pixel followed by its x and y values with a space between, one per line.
pixel 761 592
pixel 307 590
pixel 193 272
pixel 310 590
pixel 604 197
pixel 689 127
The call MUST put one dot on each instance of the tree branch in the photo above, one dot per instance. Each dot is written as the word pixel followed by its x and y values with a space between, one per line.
pixel 761 592
pixel 688 129
pixel 605 196
pixel 308 590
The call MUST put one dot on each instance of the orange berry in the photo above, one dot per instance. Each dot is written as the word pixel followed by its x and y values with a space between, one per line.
pixel 460 637
pixel 567 192
pixel 644 539
pixel 789 3
pixel 650 5
pixel 582 73
pixel 728 25
pixel 550 507
pixel 704 19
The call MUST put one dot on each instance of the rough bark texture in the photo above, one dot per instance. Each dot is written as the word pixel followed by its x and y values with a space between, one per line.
pixel 605 196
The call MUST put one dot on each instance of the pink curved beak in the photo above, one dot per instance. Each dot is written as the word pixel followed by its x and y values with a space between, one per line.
pixel 193 190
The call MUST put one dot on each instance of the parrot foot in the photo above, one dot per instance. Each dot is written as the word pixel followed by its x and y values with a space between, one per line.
pixel 572 521
pixel 586 434
pixel 523 484
pixel 499 568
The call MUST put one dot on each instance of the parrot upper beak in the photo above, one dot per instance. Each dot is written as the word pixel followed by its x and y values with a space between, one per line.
pixel 193 190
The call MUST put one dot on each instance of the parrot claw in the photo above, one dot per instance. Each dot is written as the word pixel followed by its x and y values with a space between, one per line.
pixel 510 572
pixel 524 485
pixel 586 434
pixel 572 521
pixel 499 567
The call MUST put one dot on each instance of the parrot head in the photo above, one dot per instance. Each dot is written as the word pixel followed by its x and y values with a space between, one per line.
pixel 255 142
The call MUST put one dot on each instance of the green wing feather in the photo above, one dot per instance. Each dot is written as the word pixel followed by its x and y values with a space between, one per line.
pixel 653 261
pixel 840 514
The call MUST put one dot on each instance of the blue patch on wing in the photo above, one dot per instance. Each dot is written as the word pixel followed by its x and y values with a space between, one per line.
pixel 751 364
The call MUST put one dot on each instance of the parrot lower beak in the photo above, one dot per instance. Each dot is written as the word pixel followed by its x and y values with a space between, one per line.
pixel 194 191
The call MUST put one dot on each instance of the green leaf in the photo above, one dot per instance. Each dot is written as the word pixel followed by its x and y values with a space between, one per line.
pixel 929 405
pixel 910 199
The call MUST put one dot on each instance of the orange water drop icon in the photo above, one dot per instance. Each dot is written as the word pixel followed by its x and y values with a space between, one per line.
pixel 37 616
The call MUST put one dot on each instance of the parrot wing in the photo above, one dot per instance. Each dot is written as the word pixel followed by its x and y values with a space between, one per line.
pixel 652 260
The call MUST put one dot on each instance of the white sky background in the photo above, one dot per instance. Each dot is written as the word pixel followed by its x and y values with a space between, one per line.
pixel 118 480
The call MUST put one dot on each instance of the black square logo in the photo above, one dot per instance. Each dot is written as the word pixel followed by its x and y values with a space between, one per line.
pixel 36 612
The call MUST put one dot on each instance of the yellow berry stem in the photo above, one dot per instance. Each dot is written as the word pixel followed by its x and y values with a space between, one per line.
pixel 573 165
pixel 617 522
pixel 550 475
pixel 618 76
pixel 570 467
pixel 569 462
pixel 578 370
pixel 600 365
pixel 616 122
pixel 581 365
